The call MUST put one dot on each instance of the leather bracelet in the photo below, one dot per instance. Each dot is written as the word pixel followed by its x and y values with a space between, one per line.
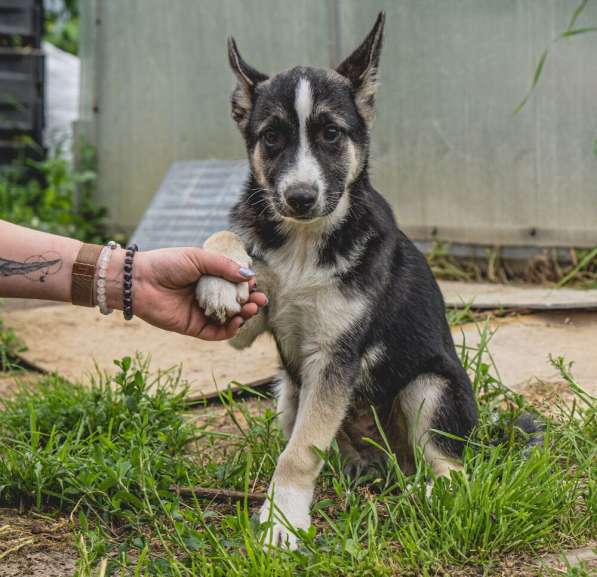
pixel 83 275
pixel 127 291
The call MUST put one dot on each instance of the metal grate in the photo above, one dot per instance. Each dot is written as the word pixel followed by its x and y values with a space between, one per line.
pixel 192 203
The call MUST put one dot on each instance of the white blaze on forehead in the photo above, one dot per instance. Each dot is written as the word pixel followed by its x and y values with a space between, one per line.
pixel 305 168
pixel 303 104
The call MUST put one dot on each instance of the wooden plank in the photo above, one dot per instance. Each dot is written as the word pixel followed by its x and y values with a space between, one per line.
pixel 495 296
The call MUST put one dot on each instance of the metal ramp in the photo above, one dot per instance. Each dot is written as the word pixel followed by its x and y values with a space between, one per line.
pixel 192 203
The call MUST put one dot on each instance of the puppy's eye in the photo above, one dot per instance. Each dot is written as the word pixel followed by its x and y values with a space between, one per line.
pixel 331 134
pixel 272 138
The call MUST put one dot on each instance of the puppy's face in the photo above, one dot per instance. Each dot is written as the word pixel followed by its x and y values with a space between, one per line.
pixel 307 129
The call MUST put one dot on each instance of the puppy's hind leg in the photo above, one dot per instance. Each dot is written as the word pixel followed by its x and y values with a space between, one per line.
pixel 431 402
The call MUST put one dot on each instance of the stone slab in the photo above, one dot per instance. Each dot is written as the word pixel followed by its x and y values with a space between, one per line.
pixel 528 297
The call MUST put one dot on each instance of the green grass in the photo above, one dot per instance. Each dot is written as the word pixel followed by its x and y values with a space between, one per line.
pixel 107 455
pixel 10 346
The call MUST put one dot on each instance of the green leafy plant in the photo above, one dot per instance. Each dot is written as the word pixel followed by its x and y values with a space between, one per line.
pixel 52 196
pixel 570 31
pixel 62 25
pixel 111 445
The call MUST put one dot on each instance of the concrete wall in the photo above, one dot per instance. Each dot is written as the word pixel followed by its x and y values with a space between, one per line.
pixel 448 152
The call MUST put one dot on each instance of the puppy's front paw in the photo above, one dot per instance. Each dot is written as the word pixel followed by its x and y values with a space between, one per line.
pixel 219 298
pixel 287 511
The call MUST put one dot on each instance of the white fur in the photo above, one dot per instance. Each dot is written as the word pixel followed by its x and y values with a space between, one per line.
pixel 221 298
pixel 344 264
pixel 306 169
pixel 340 212
pixel 419 401
pixel 303 103
pixel 354 164
pixel 308 313
pixel 372 356
pixel 287 508
pixel 322 408
pixel 216 296
pixel 307 310
pixel 287 403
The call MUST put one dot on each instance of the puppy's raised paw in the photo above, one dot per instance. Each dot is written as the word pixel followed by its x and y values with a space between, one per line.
pixel 221 299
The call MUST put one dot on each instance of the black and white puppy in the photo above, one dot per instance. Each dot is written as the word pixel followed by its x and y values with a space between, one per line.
pixel 354 309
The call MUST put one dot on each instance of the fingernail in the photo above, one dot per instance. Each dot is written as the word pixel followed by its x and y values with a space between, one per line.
pixel 266 301
pixel 246 272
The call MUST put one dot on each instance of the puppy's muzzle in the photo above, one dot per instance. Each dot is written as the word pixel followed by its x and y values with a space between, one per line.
pixel 301 199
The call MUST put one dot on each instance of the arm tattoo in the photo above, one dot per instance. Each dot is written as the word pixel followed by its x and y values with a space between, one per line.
pixel 36 268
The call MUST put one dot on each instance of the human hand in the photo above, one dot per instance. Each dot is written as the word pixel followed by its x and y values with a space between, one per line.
pixel 164 283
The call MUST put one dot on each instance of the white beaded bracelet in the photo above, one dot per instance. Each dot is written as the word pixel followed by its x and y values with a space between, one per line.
pixel 102 273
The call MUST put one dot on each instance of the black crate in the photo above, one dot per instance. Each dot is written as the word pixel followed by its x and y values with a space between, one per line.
pixel 21 92
pixel 22 18
pixel 21 78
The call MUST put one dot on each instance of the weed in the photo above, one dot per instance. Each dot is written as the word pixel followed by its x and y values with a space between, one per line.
pixel 62 25
pixel 557 267
pixel 570 31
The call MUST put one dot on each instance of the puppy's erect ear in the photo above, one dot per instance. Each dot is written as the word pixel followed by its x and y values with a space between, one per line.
pixel 361 69
pixel 248 78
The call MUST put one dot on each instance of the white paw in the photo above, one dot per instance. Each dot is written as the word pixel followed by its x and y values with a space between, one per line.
pixel 220 298
pixel 429 490
pixel 410 488
pixel 288 511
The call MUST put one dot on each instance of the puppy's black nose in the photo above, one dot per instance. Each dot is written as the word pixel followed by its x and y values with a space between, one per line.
pixel 301 197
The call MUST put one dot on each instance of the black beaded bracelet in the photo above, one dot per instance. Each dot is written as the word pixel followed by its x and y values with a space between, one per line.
pixel 127 291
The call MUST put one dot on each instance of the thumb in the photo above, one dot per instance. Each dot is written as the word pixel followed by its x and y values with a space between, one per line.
pixel 218 265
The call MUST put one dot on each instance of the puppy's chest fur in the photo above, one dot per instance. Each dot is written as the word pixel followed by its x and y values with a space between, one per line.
pixel 307 312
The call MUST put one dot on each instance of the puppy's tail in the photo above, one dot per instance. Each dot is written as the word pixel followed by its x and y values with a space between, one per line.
pixel 529 426
pixel 533 429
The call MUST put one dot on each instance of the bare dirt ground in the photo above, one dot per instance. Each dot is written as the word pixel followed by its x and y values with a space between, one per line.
pixel 33 545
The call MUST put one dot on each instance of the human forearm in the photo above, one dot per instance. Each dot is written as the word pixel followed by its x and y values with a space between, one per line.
pixel 38 265
pixel 35 264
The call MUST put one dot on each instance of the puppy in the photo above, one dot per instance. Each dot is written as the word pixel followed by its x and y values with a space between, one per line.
pixel 357 317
